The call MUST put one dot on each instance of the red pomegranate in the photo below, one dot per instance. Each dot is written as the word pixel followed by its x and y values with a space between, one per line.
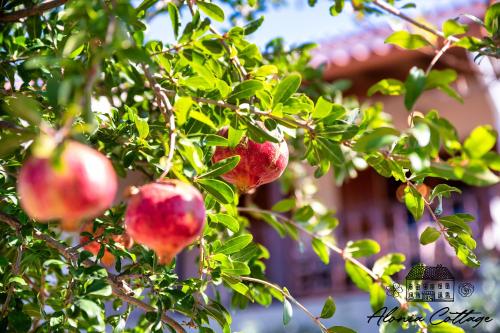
pixel 166 216
pixel 260 163
pixel 79 184
pixel 108 259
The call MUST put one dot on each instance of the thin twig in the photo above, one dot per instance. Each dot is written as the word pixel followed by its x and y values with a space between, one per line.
pixel 289 297
pixel 394 11
pixel 119 287
pixel 16 267
pixel 167 110
pixel 16 16
pixel 438 55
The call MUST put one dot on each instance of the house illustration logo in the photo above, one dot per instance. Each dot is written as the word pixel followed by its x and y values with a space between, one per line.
pixel 430 284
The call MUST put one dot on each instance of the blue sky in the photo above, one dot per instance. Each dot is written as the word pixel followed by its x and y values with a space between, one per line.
pixel 298 23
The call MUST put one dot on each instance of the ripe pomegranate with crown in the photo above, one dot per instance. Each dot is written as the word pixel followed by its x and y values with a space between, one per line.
pixel 166 216
pixel 77 184
pixel 260 163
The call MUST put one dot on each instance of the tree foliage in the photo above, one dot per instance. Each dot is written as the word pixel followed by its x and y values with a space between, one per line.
pixel 83 69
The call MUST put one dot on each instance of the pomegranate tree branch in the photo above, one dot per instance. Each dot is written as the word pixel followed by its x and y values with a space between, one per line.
pixel 438 55
pixel 334 248
pixel 237 108
pixel 16 268
pixel 119 287
pixel 289 297
pixel 233 58
pixel 394 11
pixel 16 16
pixel 167 110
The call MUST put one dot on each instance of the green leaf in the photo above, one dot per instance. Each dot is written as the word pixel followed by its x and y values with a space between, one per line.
pixel 377 296
pixel 90 308
pixel 480 141
pixel 456 223
pixel 443 327
pixel 362 248
pixel 407 40
pixel 414 86
pixel 24 107
pixel 322 108
pixel 360 278
pixel 443 190
pixel 218 189
pixel 142 127
pixel 452 27
pixel 321 250
pixel 235 244
pixel 212 10
pixel 99 288
pixel 328 308
pixel 246 89
pixel 389 264
pixel 173 11
pixel 235 268
pixel 378 138
pixel 340 329
pixel 286 88
pixel 430 235
pixel 414 202
pixel 227 220
pixel 492 19
pixel 390 87
pixel 221 167
pixel 203 118
pixel 19 321
pixel 287 312
pixel 252 26
pixel 284 205
pixel 331 150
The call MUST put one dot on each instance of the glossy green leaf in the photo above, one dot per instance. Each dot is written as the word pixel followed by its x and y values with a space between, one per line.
pixel 321 250
pixel 246 89
pixel 227 220
pixel 430 235
pixel 362 248
pixel 407 40
pixel 390 87
pixel 235 244
pixel 221 167
pixel 218 189
pixel 174 18
pixel 377 296
pixel 328 309
pixel 414 202
pixel 286 88
pixel 340 329
pixel 452 27
pixel 212 10
pixel 414 86
pixel 287 312
pixel 480 141
pixel 284 205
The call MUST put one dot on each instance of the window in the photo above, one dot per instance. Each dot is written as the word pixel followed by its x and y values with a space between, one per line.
pixel 440 285
pixel 447 285
pixel 418 295
pixel 410 285
pixel 425 286
pixel 440 295
pixel 418 286
pixel 447 295
pixel 411 295
pixel 432 286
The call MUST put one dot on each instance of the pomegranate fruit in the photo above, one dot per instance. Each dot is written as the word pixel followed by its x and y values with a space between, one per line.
pixel 260 163
pixel 166 216
pixel 80 184
pixel 108 259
